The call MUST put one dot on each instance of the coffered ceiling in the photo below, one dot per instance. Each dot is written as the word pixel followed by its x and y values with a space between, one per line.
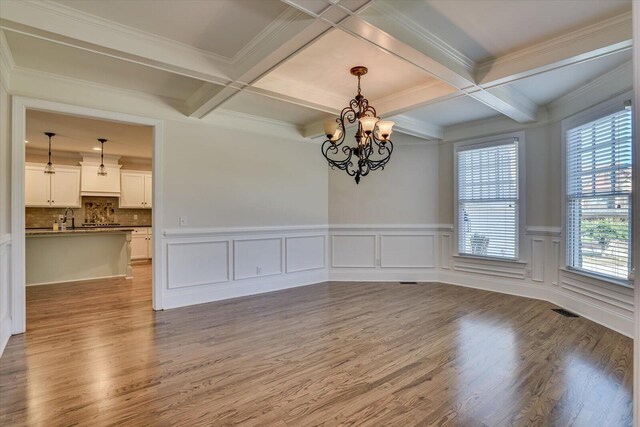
pixel 432 63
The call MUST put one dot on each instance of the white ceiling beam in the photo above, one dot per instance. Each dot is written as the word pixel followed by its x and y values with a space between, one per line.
pixel 395 31
pixel 594 41
pixel 419 128
pixel 292 32
pixel 60 24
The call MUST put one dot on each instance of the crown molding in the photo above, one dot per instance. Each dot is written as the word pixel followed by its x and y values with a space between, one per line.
pixel 419 128
pixel 602 38
pixel 30 72
pixel 616 81
pixel 80 16
pixel 64 25
pixel 7 64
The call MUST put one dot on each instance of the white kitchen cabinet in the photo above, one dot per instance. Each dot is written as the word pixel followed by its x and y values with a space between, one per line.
pixel 141 243
pixel 61 189
pixel 65 187
pixel 100 185
pixel 135 189
pixel 37 186
pixel 149 243
pixel 148 190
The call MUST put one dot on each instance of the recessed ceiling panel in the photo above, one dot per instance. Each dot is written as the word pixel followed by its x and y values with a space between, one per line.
pixel 263 106
pixel 453 112
pixel 38 54
pixel 485 29
pixel 222 27
pixel 547 87
pixel 79 135
pixel 320 73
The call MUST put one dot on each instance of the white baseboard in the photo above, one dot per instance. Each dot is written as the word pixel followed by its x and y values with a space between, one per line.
pixel 595 313
pixel 88 279
pixel 495 284
pixel 236 289
pixel 5 332
pixel 383 275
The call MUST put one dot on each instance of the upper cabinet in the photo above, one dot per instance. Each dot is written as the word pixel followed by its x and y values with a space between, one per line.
pixel 100 185
pixel 136 189
pixel 61 189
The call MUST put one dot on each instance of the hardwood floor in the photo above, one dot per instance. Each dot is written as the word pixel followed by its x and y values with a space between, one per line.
pixel 335 354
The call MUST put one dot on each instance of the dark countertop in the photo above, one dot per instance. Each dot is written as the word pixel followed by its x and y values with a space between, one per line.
pixel 85 230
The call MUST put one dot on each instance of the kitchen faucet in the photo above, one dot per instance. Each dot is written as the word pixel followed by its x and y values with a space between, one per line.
pixel 73 218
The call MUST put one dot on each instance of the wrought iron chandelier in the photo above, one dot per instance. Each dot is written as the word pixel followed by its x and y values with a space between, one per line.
pixel 373 147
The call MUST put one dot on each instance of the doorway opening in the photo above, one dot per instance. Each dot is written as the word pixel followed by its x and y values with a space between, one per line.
pixel 86 210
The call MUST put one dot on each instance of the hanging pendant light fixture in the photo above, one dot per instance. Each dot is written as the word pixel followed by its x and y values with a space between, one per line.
pixel 373 147
pixel 49 167
pixel 102 171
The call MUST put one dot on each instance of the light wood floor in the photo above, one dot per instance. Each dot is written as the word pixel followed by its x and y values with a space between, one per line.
pixel 337 353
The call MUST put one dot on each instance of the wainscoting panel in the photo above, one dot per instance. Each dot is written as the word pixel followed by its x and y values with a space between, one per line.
pixel 205 265
pixel 491 267
pixel 197 263
pixel 407 251
pixel 445 251
pixel 305 253
pixel 537 259
pixel 257 257
pixel 353 250
pixel 612 297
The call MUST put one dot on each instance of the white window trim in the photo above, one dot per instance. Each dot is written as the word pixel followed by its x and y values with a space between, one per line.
pixel 487 142
pixel 595 112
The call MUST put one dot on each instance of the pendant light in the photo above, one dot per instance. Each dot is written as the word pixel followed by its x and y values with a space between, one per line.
pixel 49 167
pixel 102 171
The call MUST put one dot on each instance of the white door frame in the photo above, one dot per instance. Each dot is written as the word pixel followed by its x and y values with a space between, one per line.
pixel 20 105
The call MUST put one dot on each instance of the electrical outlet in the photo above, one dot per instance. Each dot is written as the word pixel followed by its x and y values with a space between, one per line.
pixel 258 271
pixel 135 216
pixel 183 221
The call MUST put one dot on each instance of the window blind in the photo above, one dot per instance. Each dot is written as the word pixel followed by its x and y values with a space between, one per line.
pixel 488 200
pixel 598 204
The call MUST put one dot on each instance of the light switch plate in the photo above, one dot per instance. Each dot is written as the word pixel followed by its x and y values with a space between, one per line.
pixel 183 221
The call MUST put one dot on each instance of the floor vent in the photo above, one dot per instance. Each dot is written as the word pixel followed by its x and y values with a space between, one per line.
pixel 408 283
pixel 564 312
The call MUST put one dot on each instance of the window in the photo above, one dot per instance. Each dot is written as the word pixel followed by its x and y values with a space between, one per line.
pixel 598 203
pixel 488 199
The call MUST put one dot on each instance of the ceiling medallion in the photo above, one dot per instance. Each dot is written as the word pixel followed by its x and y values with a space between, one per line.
pixel 373 149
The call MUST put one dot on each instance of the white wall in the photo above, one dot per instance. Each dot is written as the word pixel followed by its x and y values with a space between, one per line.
pixel 254 193
pixel 542 181
pixel 405 192
pixel 229 178
pixel 5 212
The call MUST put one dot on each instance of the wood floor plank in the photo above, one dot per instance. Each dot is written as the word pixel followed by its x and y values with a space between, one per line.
pixel 347 353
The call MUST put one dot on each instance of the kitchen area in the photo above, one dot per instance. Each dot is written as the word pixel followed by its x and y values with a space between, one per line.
pixel 88 199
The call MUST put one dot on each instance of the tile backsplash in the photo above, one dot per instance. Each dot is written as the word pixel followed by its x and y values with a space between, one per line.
pixel 94 209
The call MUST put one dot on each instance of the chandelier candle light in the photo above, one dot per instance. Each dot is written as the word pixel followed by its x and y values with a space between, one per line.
pixel 102 171
pixel 49 167
pixel 373 147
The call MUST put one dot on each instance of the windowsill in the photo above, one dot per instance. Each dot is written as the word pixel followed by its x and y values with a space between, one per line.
pixel 618 282
pixel 490 259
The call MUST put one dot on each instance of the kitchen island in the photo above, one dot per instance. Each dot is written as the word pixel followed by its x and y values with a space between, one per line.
pixel 74 255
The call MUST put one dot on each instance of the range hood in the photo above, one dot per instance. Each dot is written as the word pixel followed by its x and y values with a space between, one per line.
pixel 92 184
